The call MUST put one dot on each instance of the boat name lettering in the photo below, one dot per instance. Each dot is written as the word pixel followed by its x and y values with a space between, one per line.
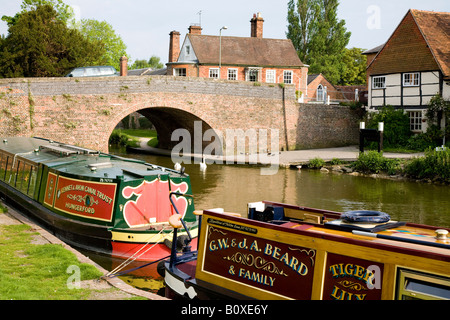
pixel 351 270
pixel 268 250
pixel 79 208
pixel 87 189
pixel 233 226
pixel 347 288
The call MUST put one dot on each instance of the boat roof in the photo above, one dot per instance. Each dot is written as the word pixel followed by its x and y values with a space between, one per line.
pixel 393 235
pixel 80 161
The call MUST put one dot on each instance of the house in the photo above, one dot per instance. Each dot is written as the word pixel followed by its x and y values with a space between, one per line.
pixel 320 90
pixel 412 66
pixel 253 58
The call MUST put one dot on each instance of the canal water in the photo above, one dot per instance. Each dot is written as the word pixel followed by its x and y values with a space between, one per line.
pixel 231 187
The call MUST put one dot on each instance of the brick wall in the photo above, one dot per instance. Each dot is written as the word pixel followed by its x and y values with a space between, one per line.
pixel 324 126
pixel 85 111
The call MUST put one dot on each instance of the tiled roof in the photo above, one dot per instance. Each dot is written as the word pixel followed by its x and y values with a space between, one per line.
pixel 241 51
pixel 420 43
pixel 435 28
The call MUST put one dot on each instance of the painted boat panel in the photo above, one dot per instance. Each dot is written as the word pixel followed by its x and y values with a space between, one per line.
pixel 83 196
pixel 240 258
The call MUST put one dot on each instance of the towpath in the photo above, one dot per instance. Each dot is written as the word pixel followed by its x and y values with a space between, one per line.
pixel 290 158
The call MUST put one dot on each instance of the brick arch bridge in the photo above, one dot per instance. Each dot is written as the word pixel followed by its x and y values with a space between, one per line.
pixel 85 111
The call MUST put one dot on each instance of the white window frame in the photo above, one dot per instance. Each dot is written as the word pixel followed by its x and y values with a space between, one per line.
pixel 178 72
pixel 232 74
pixel 415 120
pixel 321 93
pixel 411 79
pixel 288 77
pixel 253 74
pixel 214 73
pixel 379 82
pixel 271 76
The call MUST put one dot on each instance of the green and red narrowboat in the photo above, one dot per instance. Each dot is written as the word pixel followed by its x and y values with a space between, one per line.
pixel 288 252
pixel 95 201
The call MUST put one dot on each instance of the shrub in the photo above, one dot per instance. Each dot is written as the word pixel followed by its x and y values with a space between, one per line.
pixel 375 162
pixel 435 165
pixel 316 163
pixel 396 126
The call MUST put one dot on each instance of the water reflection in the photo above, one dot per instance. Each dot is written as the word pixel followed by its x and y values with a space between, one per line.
pixel 232 187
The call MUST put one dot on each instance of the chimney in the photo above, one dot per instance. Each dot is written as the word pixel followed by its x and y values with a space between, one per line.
pixel 124 66
pixel 174 48
pixel 257 26
pixel 195 29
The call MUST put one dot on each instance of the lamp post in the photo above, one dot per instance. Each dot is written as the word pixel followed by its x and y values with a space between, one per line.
pixel 220 50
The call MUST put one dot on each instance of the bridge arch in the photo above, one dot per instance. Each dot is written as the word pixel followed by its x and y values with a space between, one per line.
pixel 166 120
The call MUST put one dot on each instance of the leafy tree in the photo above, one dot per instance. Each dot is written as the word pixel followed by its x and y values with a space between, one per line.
pixel 154 63
pixel 39 44
pixel 354 68
pixel 303 18
pixel 65 12
pixel 318 36
pixel 103 32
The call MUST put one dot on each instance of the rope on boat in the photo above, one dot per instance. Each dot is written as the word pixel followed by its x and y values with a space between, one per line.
pixel 133 258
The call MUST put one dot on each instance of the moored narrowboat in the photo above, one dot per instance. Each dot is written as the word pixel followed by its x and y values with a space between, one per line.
pixel 286 252
pixel 95 201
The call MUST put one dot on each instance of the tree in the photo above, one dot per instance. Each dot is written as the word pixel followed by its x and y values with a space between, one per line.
pixel 39 44
pixel 354 67
pixel 303 25
pixel 65 12
pixel 318 36
pixel 103 32
pixel 154 63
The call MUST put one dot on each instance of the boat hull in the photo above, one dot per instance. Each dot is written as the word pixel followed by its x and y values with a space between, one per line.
pixel 90 237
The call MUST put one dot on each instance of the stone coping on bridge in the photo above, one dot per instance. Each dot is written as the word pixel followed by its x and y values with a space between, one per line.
pixel 142 84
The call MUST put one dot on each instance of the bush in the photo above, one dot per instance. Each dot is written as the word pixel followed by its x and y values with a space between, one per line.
pixel 118 138
pixel 375 162
pixel 396 126
pixel 316 163
pixel 435 165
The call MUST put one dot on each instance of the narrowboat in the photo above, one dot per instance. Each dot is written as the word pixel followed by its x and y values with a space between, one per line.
pixel 286 252
pixel 95 201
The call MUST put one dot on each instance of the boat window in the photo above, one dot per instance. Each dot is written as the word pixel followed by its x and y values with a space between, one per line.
pixel 32 181
pixel 3 158
pixel 421 286
pixel 9 175
pixel 19 175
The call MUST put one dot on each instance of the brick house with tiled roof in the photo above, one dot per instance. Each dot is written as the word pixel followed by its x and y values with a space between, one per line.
pixel 253 58
pixel 412 66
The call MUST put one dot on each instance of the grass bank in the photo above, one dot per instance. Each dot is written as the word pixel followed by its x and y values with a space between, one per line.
pixel 38 272
pixel 434 166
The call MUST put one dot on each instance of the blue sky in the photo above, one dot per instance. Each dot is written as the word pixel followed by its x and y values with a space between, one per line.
pixel 144 25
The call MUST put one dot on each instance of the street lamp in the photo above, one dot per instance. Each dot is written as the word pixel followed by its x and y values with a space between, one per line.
pixel 220 50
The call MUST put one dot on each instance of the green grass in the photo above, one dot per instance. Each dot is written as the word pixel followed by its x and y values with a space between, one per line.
pixel 37 272
pixel 130 137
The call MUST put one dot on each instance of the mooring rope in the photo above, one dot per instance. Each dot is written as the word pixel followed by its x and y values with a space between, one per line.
pixel 134 257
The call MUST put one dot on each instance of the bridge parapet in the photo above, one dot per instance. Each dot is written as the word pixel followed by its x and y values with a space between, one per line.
pixel 84 111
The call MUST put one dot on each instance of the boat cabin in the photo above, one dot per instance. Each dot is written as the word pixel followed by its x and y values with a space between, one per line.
pixel 281 251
